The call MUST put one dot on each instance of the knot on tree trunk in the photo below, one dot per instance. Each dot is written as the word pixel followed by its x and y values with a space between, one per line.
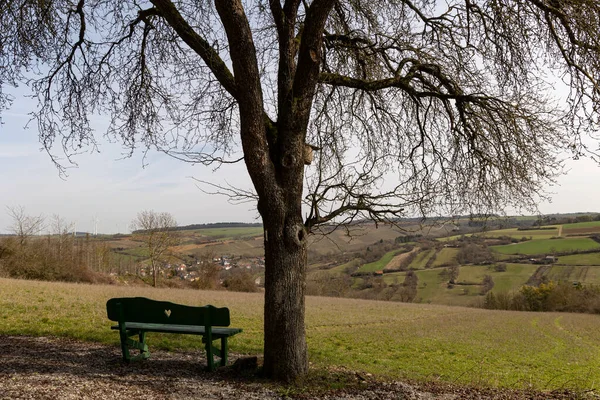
pixel 297 232
pixel 288 160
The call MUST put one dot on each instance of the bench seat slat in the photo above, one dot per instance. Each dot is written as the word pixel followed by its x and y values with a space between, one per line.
pixel 184 329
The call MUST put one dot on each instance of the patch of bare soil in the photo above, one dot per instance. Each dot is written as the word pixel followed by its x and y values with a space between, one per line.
pixel 396 262
pixel 59 368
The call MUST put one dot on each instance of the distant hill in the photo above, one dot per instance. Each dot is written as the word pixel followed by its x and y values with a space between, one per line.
pixel 221 225
pixel 218 225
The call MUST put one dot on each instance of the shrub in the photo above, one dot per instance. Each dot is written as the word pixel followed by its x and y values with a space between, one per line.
pixel 564 297
pixel 487 284
pixel 500 267
pixel 240 281
pixel 472 253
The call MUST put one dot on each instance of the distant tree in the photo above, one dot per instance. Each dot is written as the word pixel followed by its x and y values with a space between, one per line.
pixel 487 284
pixel 24 225
pixel 450 97
pixel 208 272
pixel 473 253
pixel 453 272
pixel 155 230
pixel 408 291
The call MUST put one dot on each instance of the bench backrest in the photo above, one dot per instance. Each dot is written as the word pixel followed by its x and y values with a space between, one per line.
pixel 143 310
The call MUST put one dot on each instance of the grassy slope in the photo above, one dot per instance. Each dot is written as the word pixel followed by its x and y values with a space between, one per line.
pixel 494 348
pixel 445 256
pixel 547 246
pixel 421 259
pixel 379 264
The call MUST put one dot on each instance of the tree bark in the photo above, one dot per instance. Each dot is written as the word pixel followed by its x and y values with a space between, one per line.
pixel 285 348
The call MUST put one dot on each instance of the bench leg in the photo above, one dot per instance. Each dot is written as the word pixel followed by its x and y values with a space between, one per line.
pixel 209 355
pixel 124 346
pixel 144 353
pixel 212 351
pixel 224 351
pixel 127 342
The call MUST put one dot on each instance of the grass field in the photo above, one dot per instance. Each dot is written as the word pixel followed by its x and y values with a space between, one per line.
pixel 393 340
pixel 590 224
pixel 515 276
pixel 432 288
pixel 445 256
pixel 547 246
pixel 379 264
pixel 581 259
pixel 582 228
pixel 421 259
pixel 517 234
pixel 588 275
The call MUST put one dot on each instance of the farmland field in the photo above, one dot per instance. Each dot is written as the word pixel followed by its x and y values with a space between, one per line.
pixel 432 288
pixel 582 228
pixel 445 256
pixel 452 344
pixel 379 264
pixel 518 234
pixel 421 259
pixel 547 246
pixel 400 257
pixel 583 274
pixel 229 233
pixel 515 275
pixel 581 259
pixel 589 224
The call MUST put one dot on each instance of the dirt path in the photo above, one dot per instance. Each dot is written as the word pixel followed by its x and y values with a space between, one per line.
pixel 58 368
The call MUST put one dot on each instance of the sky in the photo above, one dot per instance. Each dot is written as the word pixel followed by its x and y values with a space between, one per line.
pixel 106 187
pixel 111 189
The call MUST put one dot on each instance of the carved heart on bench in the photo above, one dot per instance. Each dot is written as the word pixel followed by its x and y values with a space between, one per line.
pixel 168 313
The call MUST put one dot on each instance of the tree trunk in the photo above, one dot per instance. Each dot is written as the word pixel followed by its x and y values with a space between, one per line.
pixel 285 269
pixel 154 273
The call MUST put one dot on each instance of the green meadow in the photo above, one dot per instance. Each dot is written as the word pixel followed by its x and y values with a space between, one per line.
pixel 581 259
pixel 421 259
pixel 515 276
pixel 548 246
pixel 379 264
pixel 577 225
pixel 589 275
pixel 544 351
pixel 433 288
pixel 518 234
pixel 445 256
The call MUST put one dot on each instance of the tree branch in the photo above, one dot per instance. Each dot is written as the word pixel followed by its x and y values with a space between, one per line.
pixel 197 43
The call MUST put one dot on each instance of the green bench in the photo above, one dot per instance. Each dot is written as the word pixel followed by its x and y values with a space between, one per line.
pixel 138 315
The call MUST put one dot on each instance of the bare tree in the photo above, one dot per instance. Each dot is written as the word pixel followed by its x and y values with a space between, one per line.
pixel 24 225
pixel 208 272
pixel 410 107
pixel 156 230
pixel 62 231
